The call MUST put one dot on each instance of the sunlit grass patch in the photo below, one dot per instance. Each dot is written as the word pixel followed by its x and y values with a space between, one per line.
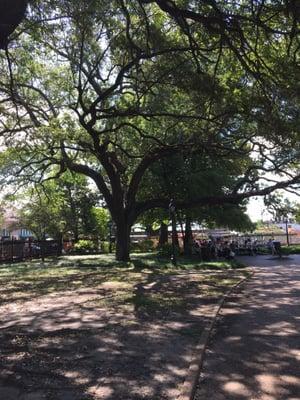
pixel 146 303
pixel 153 302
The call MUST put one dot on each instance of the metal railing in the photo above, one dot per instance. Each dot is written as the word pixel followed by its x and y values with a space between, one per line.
pixel 17 250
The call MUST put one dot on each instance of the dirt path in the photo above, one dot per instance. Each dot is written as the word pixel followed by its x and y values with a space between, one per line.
pixel 106 341
pixel 255 353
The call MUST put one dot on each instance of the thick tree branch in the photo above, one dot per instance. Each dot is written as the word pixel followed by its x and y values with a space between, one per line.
pixel 231 198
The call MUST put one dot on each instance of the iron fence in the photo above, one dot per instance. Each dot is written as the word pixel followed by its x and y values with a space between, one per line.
pixel 264 238
pixel 18 250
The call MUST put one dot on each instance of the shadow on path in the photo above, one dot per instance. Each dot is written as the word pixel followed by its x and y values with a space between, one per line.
pixel 74 345
pixel 255 352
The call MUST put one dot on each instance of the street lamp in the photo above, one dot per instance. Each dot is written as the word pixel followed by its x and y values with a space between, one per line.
pixel 110 227
pixel 287 230
pixel 172 211
pixel 62 228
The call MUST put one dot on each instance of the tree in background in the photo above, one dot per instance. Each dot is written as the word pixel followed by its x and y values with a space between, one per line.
pixel 182 177
pixel 297 213
pixel 66 206
pixel 281 208
pixel 100 222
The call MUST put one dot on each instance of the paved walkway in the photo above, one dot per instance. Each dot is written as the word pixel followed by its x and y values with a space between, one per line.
pixel 255 353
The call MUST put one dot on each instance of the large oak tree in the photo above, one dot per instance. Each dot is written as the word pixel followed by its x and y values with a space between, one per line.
pixel 109 88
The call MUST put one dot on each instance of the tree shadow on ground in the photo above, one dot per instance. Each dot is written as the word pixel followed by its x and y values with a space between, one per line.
pixel 99 333
pixel 67 349
pixel 27 281
pixel 114 357
pixel 254 353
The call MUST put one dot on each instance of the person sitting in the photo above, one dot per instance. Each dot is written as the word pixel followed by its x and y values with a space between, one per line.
pixel 227 252
pixel 196 247
pixel 249 246
pixel 277 248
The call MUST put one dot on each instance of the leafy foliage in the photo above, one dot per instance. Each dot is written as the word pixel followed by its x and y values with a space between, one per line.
pixel 109 89
pixel 85 246
pixel 64 206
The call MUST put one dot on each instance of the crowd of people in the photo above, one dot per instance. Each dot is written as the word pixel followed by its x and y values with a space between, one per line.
pixel 215 248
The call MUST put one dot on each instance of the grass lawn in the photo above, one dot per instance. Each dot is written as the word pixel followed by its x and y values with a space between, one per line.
pixel 31 279
pixel 292 249
pixel 90 328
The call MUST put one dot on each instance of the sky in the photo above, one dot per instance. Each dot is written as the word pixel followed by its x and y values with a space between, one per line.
pixel 257 210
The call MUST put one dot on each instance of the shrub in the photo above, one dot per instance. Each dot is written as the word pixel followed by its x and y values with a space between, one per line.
pixel 105 247
pixel 144 246
pixel 165 250
pixel 84 246
pixel 292 249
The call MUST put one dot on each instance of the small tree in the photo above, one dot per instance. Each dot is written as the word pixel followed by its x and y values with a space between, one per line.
pixel 101 218
pixel 59 207
pixel 281 208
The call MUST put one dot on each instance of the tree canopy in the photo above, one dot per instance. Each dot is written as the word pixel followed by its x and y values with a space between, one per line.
pixel 109 89
pixel 64 207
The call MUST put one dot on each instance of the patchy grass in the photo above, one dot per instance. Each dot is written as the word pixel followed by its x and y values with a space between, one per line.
pixel 145 284
pixel 183 263
pixel 74 321
pixel 292 249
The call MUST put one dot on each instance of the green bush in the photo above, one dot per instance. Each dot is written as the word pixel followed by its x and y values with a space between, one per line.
pixel 165 250
pixel 104 247
pixel 144 246
pixel 292 249
pixel 84 246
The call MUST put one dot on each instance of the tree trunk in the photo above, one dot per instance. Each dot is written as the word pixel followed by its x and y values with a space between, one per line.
pixel 74 214
pixel 149 230
pixel 188 237
pixel 123 241
pixel 60 245
pixel 76 232
pixel 163 234
pixel 175 234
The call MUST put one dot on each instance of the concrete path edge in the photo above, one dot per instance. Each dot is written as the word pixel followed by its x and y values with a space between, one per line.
pixel 189 386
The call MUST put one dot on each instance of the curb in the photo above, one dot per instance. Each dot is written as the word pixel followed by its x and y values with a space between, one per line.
pixel 190 384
